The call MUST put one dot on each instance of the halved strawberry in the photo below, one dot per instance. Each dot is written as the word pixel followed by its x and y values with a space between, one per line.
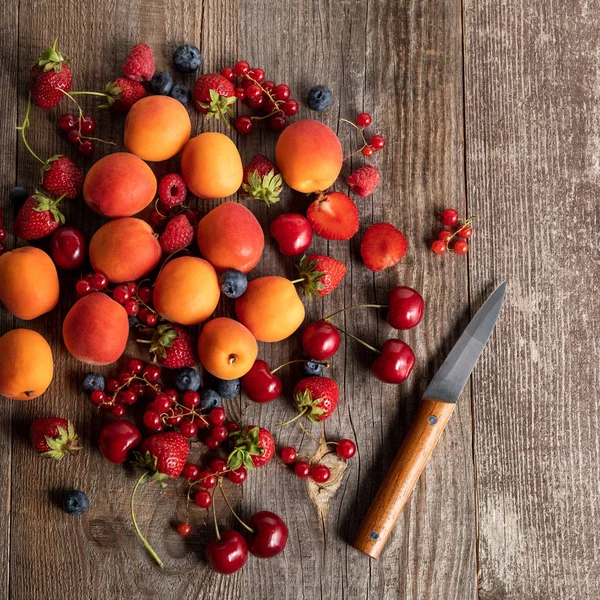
pixel 382 246
pixel 333 216
pixel 321 274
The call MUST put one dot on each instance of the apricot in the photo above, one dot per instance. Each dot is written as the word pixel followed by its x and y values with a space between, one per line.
pixel 28 282
pixel 186 291
pixel 226 348
pixel 96 329
pixel 230 237
pixel 309 156
pixel 211 166
pixel 270 308
pixel 26 364
pixel 119 185
pixel 157 128
pixel 124 249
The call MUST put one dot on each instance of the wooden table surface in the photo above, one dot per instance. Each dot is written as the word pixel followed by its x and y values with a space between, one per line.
pixel 487 106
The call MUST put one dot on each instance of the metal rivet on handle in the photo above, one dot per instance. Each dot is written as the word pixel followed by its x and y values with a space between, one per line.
pixel 374 535
pixel 432 420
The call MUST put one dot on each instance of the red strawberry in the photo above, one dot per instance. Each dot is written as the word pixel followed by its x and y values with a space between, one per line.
pixel 62 178
pixel 253 447
pixel 382 246
pixel 321 274
pixel 316 398
pixel 54 437
pixel 50 74
pixel 178 234
pixel 173 346
pixel 139 65
pixel 164 454
pixel 213 96
pixel 38 217
pixel 333 216
pixel 364 181
pixel 122 94
pixel 262 180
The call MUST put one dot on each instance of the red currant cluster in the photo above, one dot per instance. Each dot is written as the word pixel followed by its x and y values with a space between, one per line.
pixel 447 237
pixel 78 131
pixel 273 101
pixel 377 142
pixel 2 235
pixel 319 473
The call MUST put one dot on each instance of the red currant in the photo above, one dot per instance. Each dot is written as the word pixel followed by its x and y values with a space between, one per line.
pixel 241 68
pixel 97 280
pixel 288 455
pixel 184 529
pixel 238 475
pixel 190 472
pixel 73 136
pixel 152 421
pixel 290 107
pixel 218 465
pixel 162 403
pixel 117 411
pixel 83 287
pixel 240 93
pixel 228 73
pixel 277 123
pixel 98 396
pixel 368 151
pixel 302 469
pixel 145 294
pixel 132 308
pixel 188 429
pixel 87 125
pixel 465 232
pixel 207 479
pixel 172 394
pixel 445 235
pixel 253 92
pixel 128 397
pixel 269 86
pixel 377 142
pixel 151 319
pixel 212 443
pixel 232 426
pixel 257 74
pixel 220 433
pixel 67 122
pixel 86 147
pixel 217 416
pixel 2 235
pixel 125 376
pixel 203 499
pixel 135 365
pixel 244 125
pixel 151 373
pixel 320 473
pixel 461 247
pixel 438 247
pixel 112 385
pixel 363 120
pixel 121 294
pixel 133 287
pixel 450 217
pixel 255 102
pixel 281 92
pixel 2 248
pixel 191 399
pixel 346 449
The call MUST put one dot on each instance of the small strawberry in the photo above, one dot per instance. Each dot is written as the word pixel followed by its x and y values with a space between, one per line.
pixel 262 180
pixel 122 94
pixel 139 65
pixel 54 437
pixel 178 234
pixel 253 447
pixel 62 178
pixel 364 181
pixel 213 96
pixel 316 398
pixel 382 246
pixel 163 454
pixel 48 76
pixel 333 216
pixel 173 346
pixel 38 217
pixel 321 274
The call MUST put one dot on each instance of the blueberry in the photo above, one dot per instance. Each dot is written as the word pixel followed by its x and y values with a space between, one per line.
pixel 75 503
pixel 134 322
pixel 18 195
pixel 161 83
pixel 187 379
pixel 209 399
pixel 92 382
pixel 233 283
pixel 228 388
pixel 181 93
pixel 187 58
pixel 319 97
pixel 313 368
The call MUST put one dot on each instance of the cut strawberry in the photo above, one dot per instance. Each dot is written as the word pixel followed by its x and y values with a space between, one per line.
pixel 382 246
pixel 333 216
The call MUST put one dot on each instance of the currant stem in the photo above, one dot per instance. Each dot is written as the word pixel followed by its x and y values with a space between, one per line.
pixel 337 312
pixel 22 130
pixel 357 339
pixel 297 360
pixel 233 511
pixel 137 529
pixel 467 222
pixel 300 414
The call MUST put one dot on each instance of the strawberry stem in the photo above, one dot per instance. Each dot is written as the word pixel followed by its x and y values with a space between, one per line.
pixel 357 339
pixel 137 529
pixel 308 433
pixel 298 280
pixel 337 312
pixel 297 360
pixel 233 511
pixel 22 129
pixel 300 414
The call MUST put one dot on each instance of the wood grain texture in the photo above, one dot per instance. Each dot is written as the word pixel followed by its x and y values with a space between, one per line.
pixel 533 156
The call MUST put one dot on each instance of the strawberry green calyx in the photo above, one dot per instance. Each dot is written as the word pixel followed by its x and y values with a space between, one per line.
pixel 219 107
pixel 52 59
pixel 66 442
pixel 245 446
pixel 163 338
pixel 311 277
pixel 309 406
pixel 51 205
pixel 111 92
pixel 148 463
pixel 265 188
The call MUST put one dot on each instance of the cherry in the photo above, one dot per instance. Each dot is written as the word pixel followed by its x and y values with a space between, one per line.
pixel 238 476
pixel 277 123
pixel 445 235
pixel 363 120
pixel 244 125
pixel 67 122
pixel 269 536
pixel 188 429
pixel 368 151
pixel 302 469
pixel 260 385
pixel 290 107
pixel 289 455
pixel 465 232
pixel 320 473
pixel 190 472
pixel 281 92
pixel 461 247
pixel 117 411
pixel 395 362
pixel 87 125
pixel 227 553
pixel 450 217
pixel 377 142
pixel 217 416
pixel 241 68
pixel 253 92
pixel 320 340
pixel 152 420
pixel 184 529
pixel 203 499
pixel 68 248
pixel 86 147
pixel 292 232
pixel 405 307
pixel 346 448
pixel 438 247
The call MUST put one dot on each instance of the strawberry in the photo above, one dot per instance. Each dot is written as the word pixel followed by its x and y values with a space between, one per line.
pixel 262 180
pixel 333 216
pixel 316 398
pixel 364 181
pixel 164 455
pixel 62 178
pixel 253 447
pixel 122 94
pixel 213 96
pixel 321 274
pixel 139 65
pixel 382 246
pixel 177 235
pixel 48 76
pixel 173 346
pixel 38 217
pixel 54 437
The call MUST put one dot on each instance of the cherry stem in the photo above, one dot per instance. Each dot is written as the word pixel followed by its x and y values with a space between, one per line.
pixel 70 96
pixel 300 414
pixel 137 529
pixel 22 129
pixel 337 312
pixel 298 360
pixel 357 339
pixel 218 534
pixel 233 511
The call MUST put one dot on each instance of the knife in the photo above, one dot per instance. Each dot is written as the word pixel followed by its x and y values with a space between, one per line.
pixel 433 413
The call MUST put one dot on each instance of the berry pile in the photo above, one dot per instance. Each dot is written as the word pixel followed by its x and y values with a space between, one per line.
pixel 455 237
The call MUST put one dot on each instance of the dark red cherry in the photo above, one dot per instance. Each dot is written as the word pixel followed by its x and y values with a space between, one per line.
pixel 320 340
pixel 405 307
pixel 260 385
pixel 227 554
pixel 270 534
pixel 292 233
pixel 395 362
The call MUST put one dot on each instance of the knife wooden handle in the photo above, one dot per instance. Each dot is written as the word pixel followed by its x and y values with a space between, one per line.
pixel 402 476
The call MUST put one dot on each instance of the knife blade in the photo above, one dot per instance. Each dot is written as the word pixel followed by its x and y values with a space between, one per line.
pixel 432 416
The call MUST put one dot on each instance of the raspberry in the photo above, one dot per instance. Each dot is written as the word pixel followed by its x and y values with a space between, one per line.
pixel 364 181
pixel 139 65
pixel 177 234
pixel 172 190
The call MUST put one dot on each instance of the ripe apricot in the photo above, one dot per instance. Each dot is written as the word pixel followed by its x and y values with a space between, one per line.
pixel 309 156
pixel 157 128
pixel 270 308
pixel 119 185
pixel 186 291
pixel 28 282
pixel 26 364
pixel 230 237
pixel 96 329
pixel 211 166
pixel 124 249
pixel 226 348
